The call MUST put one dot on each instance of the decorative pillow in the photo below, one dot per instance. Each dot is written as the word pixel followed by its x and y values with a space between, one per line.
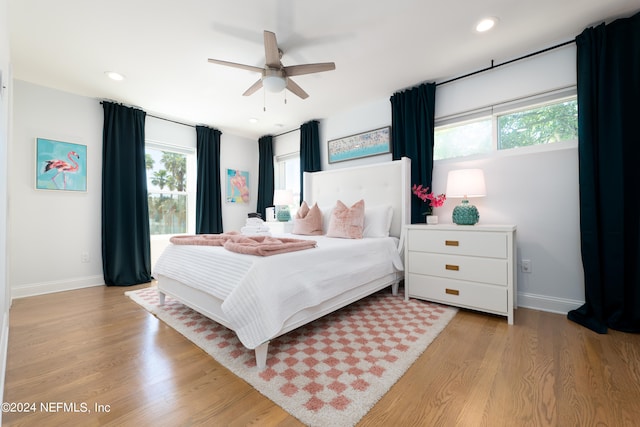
pixel 347 223
pixel 377 221
pixel 308 221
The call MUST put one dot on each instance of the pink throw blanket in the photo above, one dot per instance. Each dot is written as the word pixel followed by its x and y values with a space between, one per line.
pixel 249 245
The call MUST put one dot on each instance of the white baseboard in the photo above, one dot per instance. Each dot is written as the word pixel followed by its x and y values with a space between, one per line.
pixel 547 303
pixel 34 289
pixel 4 348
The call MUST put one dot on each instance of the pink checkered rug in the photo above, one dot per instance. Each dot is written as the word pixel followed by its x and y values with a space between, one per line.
pixel 330 372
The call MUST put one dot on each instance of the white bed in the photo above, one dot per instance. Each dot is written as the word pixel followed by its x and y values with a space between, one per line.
pixel 184 272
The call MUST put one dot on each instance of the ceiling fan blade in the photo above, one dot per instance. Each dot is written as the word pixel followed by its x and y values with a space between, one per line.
pixel 271 51
pixel 236 65
pixel 254 87
pixel 295 89
pixel 298 70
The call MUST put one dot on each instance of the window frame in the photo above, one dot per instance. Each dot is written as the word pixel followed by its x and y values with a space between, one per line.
pixel 280 174
pixel 506 108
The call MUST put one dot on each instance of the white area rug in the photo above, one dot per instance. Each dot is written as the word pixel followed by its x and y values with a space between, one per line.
pixel 330 372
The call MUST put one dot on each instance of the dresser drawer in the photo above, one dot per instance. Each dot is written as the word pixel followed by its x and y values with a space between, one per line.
pixel 486 270
pixel 471 295
pixel 484 244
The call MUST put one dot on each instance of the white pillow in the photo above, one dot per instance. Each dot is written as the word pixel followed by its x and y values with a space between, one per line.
pixel 377 221
pixel 327 211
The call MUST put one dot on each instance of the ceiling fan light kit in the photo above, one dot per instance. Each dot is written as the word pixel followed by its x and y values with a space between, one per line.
pixel 274 84
pixel 275 76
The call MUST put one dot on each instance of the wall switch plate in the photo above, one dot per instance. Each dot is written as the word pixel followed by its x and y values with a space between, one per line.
pixel 84 257
pixel 525 266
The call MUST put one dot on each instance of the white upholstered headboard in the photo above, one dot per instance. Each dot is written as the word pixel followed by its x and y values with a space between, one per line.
pixel 385 183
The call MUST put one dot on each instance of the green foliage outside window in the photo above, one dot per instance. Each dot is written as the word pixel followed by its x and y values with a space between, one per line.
pixel 543 125
pixel 167 208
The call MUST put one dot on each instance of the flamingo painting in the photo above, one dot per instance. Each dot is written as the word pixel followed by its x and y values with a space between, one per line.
pixel 63 168
pixel 61 165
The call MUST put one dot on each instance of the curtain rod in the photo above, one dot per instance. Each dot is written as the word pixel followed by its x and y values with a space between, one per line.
pixel 151 115
pixel 171 120
pixel 284 133
pixel 505 63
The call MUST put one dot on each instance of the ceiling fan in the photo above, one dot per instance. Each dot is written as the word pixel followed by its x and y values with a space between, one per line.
pixel 275 76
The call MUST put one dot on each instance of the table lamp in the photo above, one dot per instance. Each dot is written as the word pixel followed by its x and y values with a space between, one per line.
pixel 466 183
pixel 281 200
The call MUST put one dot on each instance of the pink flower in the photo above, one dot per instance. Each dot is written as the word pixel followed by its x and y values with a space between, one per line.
pixel 423 194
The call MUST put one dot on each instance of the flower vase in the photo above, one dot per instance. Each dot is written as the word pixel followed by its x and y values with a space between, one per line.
pixel 432 219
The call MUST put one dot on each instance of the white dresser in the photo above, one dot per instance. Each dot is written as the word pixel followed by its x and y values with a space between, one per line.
pixel 469 266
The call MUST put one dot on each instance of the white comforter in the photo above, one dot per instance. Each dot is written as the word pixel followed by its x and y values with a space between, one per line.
pixel 261 293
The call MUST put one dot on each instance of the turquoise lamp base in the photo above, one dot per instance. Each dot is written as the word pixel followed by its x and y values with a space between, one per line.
pixel 465 214
pixel 283 214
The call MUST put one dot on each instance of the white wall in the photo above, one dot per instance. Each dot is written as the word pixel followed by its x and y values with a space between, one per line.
pixel 535 188
pixel 238 153
pixel 5 110
pixel 50 229
pixel 362 119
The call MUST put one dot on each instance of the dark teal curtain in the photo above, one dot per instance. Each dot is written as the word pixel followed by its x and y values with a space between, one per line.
pixel 608 64
pixel 265 174
pixel 412 115
pixel 208 187
pixel 309 151
pixel 126 252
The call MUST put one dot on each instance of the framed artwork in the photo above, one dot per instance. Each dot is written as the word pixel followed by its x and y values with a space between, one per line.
pixel 371 143
pixel 60 165
pixel 237 186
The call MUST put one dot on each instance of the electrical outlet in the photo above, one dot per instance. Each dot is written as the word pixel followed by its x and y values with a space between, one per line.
pixel 84 257
pixel 526 266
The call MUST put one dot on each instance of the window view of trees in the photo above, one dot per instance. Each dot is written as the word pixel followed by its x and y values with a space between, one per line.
pixel 166 184
pixel 543 125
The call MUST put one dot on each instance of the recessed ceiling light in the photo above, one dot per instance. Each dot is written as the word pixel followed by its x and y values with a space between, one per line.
pixel 114 76
pixel 253 120
pixel 486 24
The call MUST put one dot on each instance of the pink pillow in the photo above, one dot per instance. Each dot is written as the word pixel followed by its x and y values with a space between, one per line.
pixel 308 221
pixel 347 222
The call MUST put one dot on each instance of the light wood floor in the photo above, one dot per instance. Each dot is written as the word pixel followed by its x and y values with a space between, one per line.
pixel 96 347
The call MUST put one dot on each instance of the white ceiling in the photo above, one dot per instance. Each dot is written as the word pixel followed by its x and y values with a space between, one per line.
pixel 379 47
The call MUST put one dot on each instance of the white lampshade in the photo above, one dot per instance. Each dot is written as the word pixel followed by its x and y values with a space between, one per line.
pixel 282 197
pixel 274 83
pixel 466 183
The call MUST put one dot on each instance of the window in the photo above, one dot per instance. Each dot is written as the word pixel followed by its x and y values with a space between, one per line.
pixel 463 139
pixel 287 174
pixel 168 185
pixel 544 123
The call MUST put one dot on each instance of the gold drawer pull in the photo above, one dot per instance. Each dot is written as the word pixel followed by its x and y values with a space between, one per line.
pixel 451 243
pixel 452 291
pixel 452 267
